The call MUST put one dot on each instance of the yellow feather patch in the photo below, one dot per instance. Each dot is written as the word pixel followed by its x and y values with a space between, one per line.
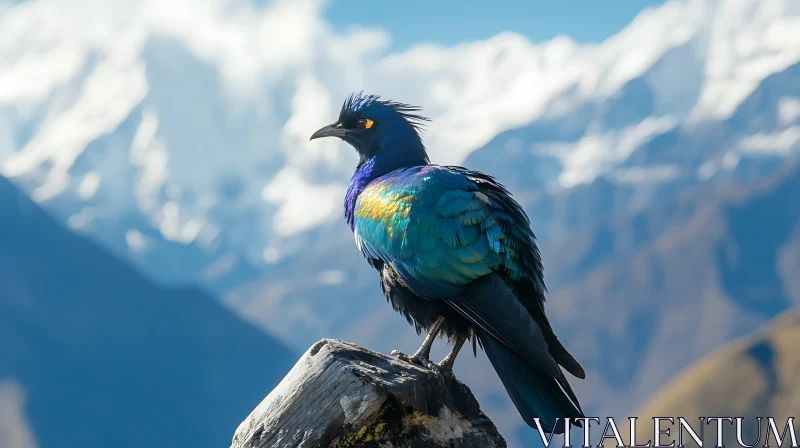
pixel 377 204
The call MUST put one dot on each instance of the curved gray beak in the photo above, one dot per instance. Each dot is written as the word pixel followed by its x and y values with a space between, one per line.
pixel 334 130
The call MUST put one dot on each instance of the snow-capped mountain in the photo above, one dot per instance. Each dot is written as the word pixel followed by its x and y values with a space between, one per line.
pixel 178 131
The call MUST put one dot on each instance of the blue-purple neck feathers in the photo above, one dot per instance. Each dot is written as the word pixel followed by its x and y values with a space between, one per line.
pixel 360 179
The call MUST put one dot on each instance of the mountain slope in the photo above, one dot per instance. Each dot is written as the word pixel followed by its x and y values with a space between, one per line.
pixel 752 377
pixel 660 156
pixel 674 283
pixel 102 355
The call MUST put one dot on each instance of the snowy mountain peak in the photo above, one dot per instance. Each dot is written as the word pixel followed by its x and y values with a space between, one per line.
pixel 190 119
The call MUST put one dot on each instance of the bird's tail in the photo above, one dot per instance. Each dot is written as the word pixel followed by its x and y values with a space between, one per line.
pixel 534 394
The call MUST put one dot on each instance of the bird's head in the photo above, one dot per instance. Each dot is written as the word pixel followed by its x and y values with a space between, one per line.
pixel 379 128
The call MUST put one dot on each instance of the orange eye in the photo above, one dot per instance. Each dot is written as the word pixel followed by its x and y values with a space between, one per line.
pixel 364 123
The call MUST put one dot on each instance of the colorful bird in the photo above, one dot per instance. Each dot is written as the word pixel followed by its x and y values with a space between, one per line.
pixel 456 255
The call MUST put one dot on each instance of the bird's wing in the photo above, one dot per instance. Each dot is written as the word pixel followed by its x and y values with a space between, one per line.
pixel 520 261
pixel 521 268
pixel 443 227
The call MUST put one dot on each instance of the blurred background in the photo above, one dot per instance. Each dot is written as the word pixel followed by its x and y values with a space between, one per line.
pixel 170 242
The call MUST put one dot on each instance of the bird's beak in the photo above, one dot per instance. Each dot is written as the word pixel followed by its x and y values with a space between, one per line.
pixel 334 130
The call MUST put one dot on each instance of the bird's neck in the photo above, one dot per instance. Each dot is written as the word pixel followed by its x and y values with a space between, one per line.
pixel 369 169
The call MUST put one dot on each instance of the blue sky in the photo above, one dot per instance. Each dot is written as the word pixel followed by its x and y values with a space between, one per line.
pixel 452 21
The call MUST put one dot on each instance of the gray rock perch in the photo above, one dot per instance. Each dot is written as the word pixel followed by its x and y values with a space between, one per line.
pixel 342 395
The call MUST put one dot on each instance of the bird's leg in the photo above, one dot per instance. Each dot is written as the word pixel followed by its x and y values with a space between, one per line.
pixel 446 366
pixel 422 355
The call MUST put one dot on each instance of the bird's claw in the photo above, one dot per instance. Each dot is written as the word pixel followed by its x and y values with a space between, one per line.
pixel 403 357
pixel 442 368
pixel 430 365
pixel 416 359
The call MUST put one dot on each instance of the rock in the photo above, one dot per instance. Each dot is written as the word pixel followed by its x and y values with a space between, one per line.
pixel 342 395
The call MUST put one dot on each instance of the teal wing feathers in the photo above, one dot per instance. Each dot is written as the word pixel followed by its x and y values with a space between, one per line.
pixel 443 227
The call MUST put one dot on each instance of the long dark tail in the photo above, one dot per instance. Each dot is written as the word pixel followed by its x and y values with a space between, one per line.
pixel 534 394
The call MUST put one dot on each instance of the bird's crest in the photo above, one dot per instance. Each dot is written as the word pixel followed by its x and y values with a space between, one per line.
pixel 357 103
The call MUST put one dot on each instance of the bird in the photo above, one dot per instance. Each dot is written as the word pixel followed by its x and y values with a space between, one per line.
pixel 455 256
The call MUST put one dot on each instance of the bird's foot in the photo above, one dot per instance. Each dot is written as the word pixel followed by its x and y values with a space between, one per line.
pixel 419 359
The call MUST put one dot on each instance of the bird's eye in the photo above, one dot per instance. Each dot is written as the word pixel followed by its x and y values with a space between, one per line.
pixel 364 123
